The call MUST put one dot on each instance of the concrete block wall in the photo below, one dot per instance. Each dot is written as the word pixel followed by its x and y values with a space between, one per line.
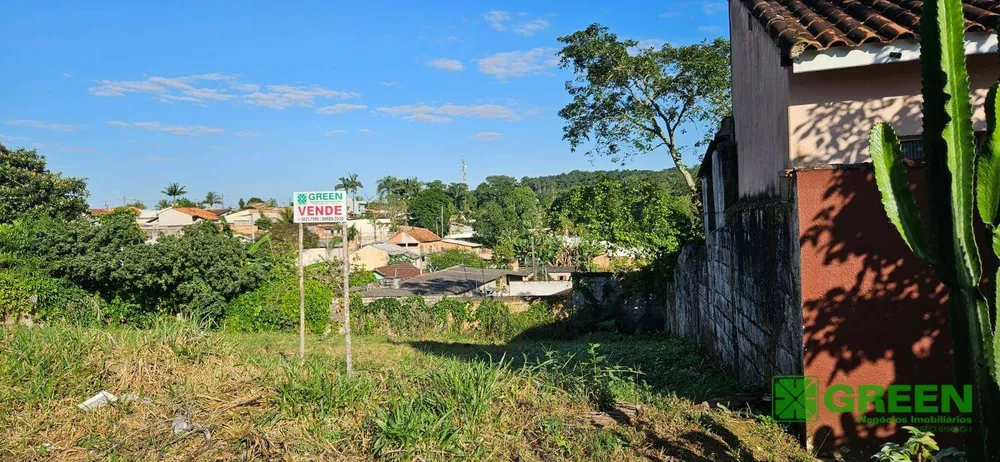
pixel 739 294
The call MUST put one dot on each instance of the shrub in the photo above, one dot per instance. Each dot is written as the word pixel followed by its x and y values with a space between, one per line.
pixel 361 278
pixel 494 319
pixel 457 310
pixel 44 298
pixel 275 306
pixel 315 389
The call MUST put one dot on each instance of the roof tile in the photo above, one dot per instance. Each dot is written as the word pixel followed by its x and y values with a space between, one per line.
pixel 802 25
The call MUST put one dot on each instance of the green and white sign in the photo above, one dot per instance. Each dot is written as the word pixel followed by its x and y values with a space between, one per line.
pixel 320 206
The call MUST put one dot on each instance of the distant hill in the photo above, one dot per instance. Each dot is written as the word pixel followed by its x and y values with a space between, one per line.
pixel 548 187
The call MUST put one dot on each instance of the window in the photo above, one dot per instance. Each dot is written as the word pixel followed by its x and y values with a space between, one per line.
pixel 913 147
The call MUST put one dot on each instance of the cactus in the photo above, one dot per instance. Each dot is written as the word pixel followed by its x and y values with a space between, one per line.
pixel 959 184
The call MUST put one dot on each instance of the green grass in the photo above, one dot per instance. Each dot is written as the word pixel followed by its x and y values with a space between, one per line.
pixel 437 399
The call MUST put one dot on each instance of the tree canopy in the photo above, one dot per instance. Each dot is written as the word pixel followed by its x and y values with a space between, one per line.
pixel 429 208
pixel 504 209
pixel 629 100
pixel 27 187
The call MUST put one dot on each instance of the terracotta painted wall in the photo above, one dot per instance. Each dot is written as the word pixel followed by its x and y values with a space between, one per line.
pixel 872 312
pixel 760 105
pixel 832 112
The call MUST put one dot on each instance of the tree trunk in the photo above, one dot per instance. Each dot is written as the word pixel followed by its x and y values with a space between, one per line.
pixel 676 156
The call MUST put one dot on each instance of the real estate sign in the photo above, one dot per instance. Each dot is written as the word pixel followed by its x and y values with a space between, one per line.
pixel 320 207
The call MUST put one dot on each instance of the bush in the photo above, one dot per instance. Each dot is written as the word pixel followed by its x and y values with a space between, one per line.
pixel 44 298
pixel 456 310
pixel 361 278
pixel 494 320
pixel 275 306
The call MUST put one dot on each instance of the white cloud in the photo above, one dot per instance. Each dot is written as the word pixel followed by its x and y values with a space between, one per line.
pixel 713 8
pixel 448 112
pixel 529 28
pixel 428 118
pixel 710 29
pixel 246 134
pixel 67 75
pixel 389 83
pixel 181 130
pixel 340 108
pixel 334 132
pixel 446 64
pixel 487 137
pixel 497 19
pixel 40 124
pixel 519 63
pixel 217 87
pixel 12 138
pixel 365 130
pixel 285 96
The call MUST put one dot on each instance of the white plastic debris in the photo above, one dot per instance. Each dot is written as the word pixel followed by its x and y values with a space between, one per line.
pixel 181 425
pixel 101 399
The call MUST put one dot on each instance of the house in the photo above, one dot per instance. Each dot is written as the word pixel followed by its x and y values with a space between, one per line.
pixel 401 271
pixel 801 272
pixel 378 255
pixel 244 221
pixel 560 273
pixel 483 252
pixel 455 281
pixel 171 221
pixel 421 239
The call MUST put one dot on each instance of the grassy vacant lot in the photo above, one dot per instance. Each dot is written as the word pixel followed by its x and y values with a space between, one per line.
pixel 410 400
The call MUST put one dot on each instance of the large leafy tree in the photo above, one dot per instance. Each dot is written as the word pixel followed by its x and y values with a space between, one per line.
pixel 504 210
pixel 429 208
pixel 459 195
pixel 629 100
pixel 635 214
pixel 174 191
pixel 27 187
pixel 453 257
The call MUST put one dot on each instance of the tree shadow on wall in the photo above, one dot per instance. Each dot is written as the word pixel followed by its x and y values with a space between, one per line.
pixel 838 130
pixel 872 311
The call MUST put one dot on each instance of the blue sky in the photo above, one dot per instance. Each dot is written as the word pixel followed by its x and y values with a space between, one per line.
pixel 268 98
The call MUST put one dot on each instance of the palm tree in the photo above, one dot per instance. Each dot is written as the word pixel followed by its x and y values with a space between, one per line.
pixel 410 187
pixel 387 187
pixel 351 184
pixel 212 198
pixel 174 190
pixel 163 204
pixel 286 215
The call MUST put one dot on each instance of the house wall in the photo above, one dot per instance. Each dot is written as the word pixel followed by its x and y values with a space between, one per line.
pixel 831 112
pixel 171 217
pixel 538 288
pixel 370 258
pixel 760 105
pixel 872 312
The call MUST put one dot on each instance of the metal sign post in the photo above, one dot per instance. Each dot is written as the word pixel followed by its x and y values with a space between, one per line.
pixel 319 207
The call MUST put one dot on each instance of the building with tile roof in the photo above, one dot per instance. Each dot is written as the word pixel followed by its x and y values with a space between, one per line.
pixel 801 273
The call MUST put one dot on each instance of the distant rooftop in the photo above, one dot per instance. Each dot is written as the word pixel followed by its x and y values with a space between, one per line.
pixel 452 281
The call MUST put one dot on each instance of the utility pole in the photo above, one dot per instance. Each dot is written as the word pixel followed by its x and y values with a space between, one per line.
pixel 347 302
pixel 441 228
pixel 302 303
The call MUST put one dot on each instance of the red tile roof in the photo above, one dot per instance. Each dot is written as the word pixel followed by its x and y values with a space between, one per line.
pixel 399 270
pixel 802 25
pixel 199 213
pixel 420 234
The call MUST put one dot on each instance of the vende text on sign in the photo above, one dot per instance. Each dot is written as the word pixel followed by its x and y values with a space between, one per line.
pixel 320 207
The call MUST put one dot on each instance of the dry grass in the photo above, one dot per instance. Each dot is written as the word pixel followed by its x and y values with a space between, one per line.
pixel 433 400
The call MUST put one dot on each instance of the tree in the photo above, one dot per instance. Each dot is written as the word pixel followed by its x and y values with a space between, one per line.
pixel 173 191
pixel 629 100
pixel 388 186
pixel 185 202
pixel 504 210
pixel 137 204
pixel 453 257
pixel 163 204
pixel 429 208
pixel 635 214
pixel 351 184
pixel 212 198
pixel 241 204
pixel 409 187
pixel 255 200
pixel 27 187
pixel 459 195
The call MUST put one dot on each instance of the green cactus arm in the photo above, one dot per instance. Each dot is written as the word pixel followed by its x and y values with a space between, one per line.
pixel 957 135
pixel 988 166
pixel 897 199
